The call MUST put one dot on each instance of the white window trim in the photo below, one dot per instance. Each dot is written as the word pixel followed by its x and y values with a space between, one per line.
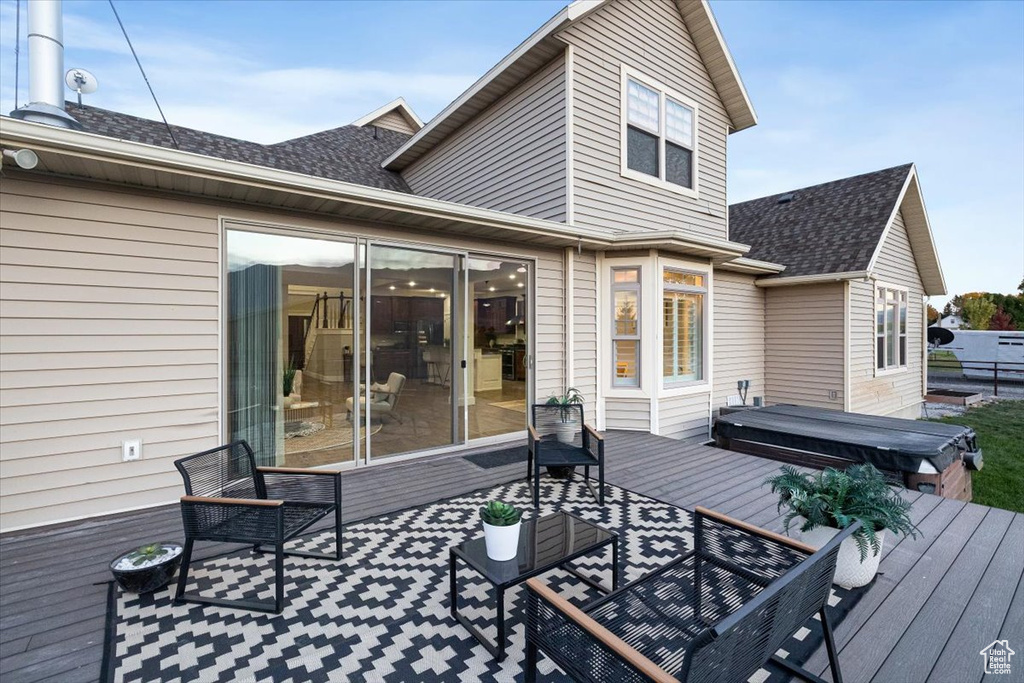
pixel 647 265
pixel 672 389
pixel 663 90
pixel 638 287
pixel 897 369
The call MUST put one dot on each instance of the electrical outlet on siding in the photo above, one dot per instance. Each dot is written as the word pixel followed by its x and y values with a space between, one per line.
pixel 833 395
pixel 131 450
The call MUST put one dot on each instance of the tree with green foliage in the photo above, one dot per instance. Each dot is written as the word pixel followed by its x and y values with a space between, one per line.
pixel 977 312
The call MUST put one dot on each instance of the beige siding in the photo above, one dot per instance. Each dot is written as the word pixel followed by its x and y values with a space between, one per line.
pixel 897 393
pixel 649 37
pixel 393 121
pixel 739 336
pixel 684 417
pixel 110 331
pixel 804 345
pixel 511 157
pixel 628 413
pixel 584 314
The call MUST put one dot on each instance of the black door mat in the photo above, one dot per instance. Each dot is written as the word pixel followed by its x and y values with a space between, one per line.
pixel 507 456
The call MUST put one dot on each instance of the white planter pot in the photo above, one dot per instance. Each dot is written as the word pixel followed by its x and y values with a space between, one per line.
pixel 850 571
pixel 565 432
pixel 502 541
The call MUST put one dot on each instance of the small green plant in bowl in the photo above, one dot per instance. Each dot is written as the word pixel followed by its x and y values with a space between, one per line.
pixel 497 513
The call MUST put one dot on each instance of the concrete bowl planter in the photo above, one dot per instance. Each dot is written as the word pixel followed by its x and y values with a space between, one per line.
pixel 147 568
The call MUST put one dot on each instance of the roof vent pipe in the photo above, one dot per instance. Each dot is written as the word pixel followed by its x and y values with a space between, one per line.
pixel 46 66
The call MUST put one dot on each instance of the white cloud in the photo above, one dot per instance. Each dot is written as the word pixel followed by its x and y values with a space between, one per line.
pixel 216 85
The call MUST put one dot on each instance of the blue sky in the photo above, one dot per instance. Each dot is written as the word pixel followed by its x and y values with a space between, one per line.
pixel 840 88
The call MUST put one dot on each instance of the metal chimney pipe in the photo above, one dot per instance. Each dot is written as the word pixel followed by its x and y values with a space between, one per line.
pixel 46 66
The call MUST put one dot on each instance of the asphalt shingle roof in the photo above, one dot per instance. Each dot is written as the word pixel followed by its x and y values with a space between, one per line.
pixel 829 228
pixel 350 153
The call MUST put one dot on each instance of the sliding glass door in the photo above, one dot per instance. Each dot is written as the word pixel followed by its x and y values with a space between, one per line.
pixel 354 351
pixel 290 346
pixel 413 350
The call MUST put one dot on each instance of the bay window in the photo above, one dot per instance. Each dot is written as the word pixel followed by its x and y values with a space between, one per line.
pixel 625 294
pixel 890 328
pixel 683 326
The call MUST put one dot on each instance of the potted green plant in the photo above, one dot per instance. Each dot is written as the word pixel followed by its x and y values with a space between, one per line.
pixel 288 384
pixel 566 430
pixel 146 568
pixel 501 529
pixel 827 501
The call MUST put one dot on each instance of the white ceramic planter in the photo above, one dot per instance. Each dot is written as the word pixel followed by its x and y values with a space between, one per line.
pixel 565 432
pixel 502 541
pixel 850 571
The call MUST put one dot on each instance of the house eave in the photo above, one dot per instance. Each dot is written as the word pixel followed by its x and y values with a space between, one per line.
pixel 817 278
pixel 675 241
pixel 81 155
pixel 752 266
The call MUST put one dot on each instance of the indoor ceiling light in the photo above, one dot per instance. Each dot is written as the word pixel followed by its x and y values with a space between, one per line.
pixel 492 289
pixel 411 283
pixel 521 269
pixel 432 289
pixel 392 287
pixel 521 284
pixel 512 276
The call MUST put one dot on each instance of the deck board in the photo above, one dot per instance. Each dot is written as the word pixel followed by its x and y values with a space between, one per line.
pixel 970 554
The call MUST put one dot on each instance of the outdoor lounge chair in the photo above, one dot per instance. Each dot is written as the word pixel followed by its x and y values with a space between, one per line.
pixel 231 500
pixel 545 448
pixel 715 615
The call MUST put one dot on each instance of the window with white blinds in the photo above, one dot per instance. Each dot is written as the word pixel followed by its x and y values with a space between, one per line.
pixel 683 308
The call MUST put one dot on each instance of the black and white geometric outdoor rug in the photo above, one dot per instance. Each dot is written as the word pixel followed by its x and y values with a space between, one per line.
pixel 382 612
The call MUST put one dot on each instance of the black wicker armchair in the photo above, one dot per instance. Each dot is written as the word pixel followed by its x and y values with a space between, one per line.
pixel 553 442
pixel 229 499
pixel 714 615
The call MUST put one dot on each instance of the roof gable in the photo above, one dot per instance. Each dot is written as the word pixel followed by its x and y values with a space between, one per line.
pixel 544 45
pixel 838 227
pixel 396 115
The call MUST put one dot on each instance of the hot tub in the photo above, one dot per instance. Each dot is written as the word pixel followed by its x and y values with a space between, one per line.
pixel 926 456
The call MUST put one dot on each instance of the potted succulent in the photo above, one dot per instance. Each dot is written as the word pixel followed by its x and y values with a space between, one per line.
pixel 501 529
pixel 146 568
pixel 825 502
pixel 288 384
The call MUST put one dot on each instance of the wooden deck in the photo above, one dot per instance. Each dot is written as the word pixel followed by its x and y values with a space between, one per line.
pixel 938 601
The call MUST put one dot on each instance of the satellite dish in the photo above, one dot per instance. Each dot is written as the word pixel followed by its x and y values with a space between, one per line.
pixel 82 82
pixel 939 336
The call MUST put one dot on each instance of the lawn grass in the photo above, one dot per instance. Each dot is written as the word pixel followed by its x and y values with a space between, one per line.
pixel 1000 429
pixel 944 362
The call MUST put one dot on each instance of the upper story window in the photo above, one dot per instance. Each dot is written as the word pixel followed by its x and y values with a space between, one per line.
pixel 626 327
pixel 659 135
pixel 890 328
pixel 683 295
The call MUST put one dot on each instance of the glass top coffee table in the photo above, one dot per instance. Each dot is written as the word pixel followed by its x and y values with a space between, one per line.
pixel 544 544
